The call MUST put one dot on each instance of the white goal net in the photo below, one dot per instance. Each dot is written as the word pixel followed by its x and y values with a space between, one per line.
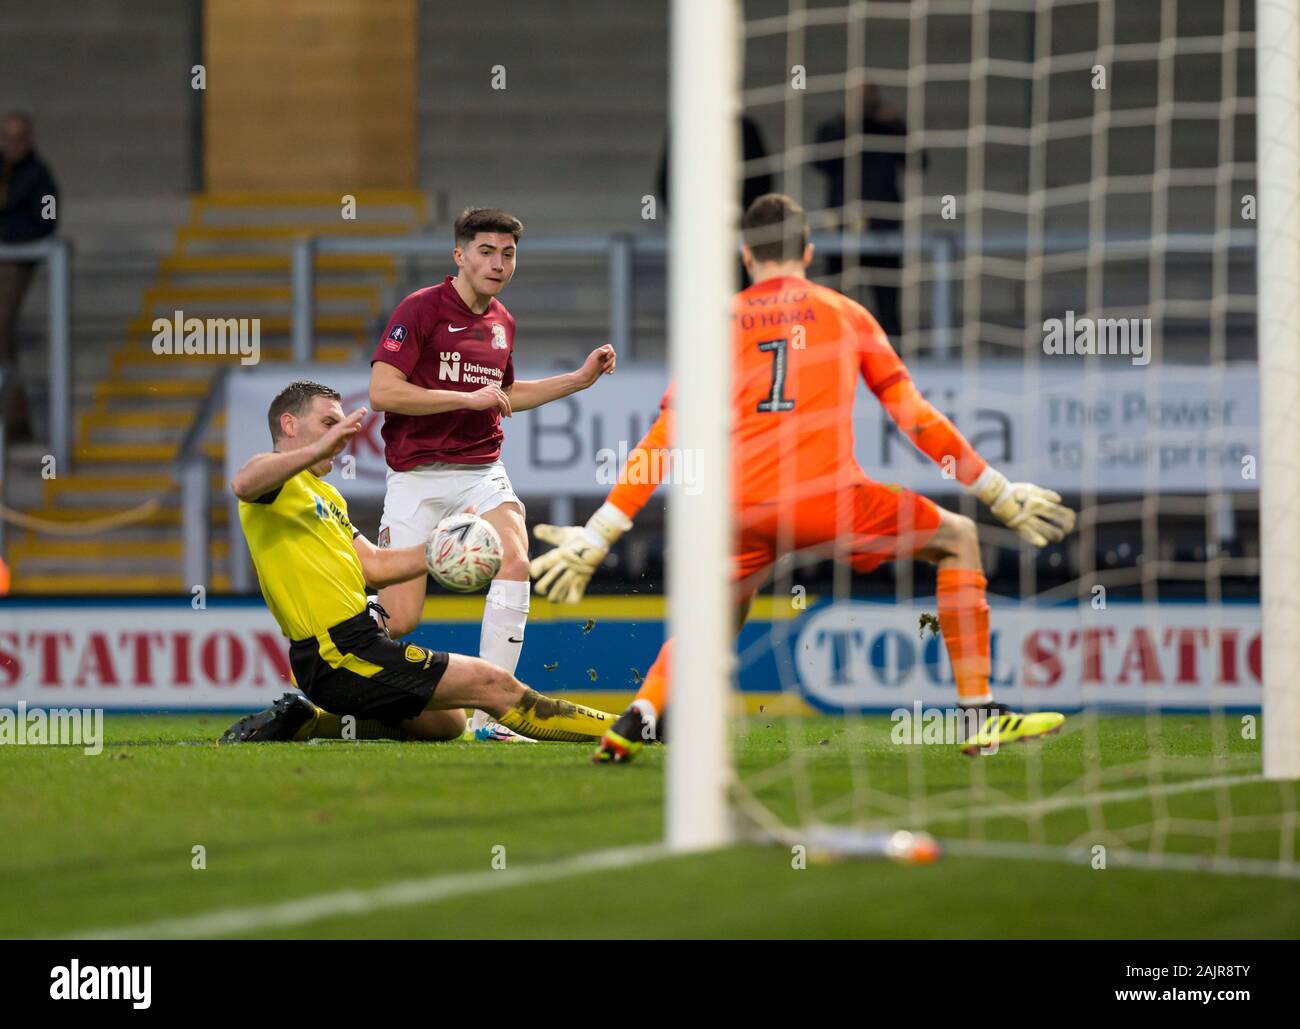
pixel 1055 210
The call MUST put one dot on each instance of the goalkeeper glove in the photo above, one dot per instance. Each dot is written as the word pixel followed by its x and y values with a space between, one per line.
pixel 562 574
pixel 1037 514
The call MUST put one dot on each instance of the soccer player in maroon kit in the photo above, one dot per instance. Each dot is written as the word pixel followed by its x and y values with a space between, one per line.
pixel 444 374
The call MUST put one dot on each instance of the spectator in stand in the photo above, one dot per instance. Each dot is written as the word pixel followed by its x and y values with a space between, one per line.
pixel 27 194
pixel 879 172
pixel 752 148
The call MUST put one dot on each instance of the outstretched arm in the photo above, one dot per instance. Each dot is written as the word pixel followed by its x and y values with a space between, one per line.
pixel 390 391
pixel 931 431
pixel 563 573
pixel 387 567
pixel 1037 514
pixel 263 473
pixel 527 394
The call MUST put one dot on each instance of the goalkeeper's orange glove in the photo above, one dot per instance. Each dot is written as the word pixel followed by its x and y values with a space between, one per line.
pixel 562 574
pixel 1035 513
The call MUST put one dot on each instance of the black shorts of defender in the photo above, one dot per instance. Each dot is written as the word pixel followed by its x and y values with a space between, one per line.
pixel 400 689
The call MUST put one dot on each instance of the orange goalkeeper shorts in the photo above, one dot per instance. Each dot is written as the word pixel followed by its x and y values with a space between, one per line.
pixel 863 524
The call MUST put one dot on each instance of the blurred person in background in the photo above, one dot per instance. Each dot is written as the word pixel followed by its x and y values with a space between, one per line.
pixel 752 148
pixel 27 195
pixel 879 172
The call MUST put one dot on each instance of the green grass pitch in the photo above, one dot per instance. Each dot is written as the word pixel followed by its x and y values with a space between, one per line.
pixel 106 842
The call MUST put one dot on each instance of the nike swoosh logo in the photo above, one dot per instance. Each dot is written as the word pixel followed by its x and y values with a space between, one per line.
pixel 453 328
pixel 513 640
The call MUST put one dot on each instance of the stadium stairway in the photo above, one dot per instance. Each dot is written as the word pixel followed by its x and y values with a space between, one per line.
pixel 230 260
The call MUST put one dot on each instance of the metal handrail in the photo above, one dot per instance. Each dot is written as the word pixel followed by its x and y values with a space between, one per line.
pixel 193 473
pixel 57 255
pixel 621 249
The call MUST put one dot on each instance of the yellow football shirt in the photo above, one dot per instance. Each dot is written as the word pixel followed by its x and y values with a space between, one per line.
pixel 300 539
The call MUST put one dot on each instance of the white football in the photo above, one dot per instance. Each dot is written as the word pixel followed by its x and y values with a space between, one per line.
pixel 463 553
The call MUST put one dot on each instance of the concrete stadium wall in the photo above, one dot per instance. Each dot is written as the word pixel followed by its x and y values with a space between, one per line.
pixel 108 84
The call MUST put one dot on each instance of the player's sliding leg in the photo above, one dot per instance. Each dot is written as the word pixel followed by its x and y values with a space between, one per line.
pixel 964 623
pixel 294 717
pixel 473 682
pixel 409 677
pixel 505 612
pixel 283 720
pixel 434 726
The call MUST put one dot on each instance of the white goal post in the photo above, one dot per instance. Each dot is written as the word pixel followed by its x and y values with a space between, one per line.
pixel 704 186
pixel 1278 141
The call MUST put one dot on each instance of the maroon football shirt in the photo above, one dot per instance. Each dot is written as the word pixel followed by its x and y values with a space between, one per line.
pixel 437 342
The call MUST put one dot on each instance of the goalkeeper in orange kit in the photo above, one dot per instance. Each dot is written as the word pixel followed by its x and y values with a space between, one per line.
pixel 798 351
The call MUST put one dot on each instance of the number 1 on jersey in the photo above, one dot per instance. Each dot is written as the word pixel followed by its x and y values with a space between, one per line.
pixel 776 400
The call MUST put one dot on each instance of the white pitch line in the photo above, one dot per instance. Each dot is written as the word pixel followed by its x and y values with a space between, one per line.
pixel 1059 803
pixel 1161 862
pixel 244 921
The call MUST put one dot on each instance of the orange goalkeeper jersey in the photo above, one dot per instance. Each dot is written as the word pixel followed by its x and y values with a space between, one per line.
pixel 798 351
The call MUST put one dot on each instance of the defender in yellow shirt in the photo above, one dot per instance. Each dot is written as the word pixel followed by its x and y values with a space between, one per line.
pixel 314 567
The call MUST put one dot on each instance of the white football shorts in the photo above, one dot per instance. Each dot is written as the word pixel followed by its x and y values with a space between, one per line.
pixel 416 501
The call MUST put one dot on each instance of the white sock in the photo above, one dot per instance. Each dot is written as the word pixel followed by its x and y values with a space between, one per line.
pixel 502 639
pixel 504 616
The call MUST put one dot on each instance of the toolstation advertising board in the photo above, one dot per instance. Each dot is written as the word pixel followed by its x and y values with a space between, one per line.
pixel 835 656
